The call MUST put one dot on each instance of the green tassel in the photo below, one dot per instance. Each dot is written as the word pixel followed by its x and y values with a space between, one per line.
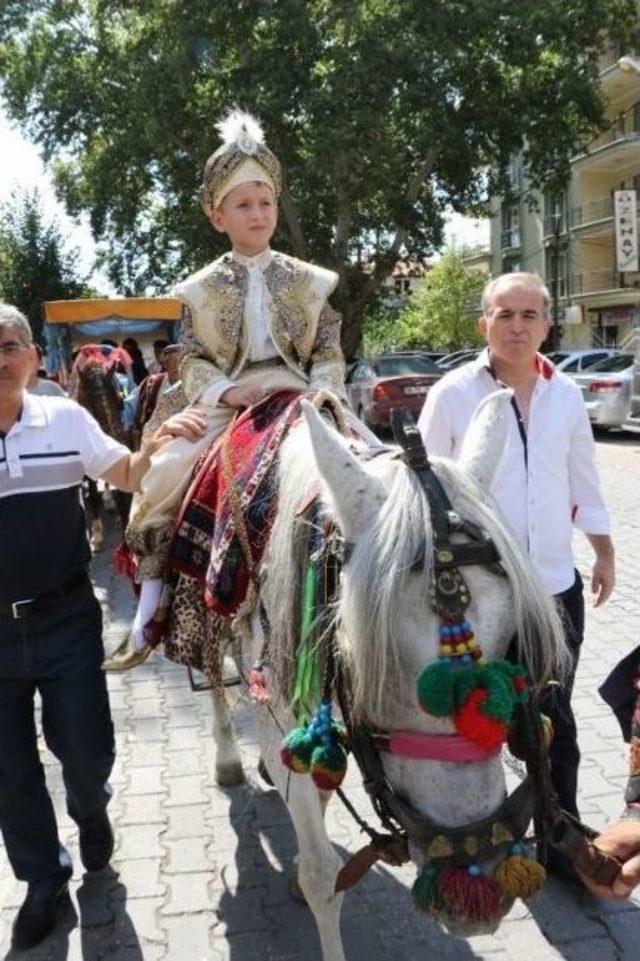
pixel 306 691
pixel 436 687
pixel 426 890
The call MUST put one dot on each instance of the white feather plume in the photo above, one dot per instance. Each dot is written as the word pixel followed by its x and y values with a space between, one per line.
pixel 241 129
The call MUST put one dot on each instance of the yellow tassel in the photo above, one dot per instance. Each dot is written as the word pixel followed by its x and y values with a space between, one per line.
pixel 519 876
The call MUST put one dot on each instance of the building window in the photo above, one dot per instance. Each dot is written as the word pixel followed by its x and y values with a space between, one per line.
pixel 555 214
pixel 510 236
pixel 562 272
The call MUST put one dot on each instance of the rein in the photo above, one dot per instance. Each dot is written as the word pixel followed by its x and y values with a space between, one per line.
pixel 450 597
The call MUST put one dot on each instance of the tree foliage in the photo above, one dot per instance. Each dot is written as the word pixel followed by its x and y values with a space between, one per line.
pixel 384 113
pixel 441 315
pixel 35 263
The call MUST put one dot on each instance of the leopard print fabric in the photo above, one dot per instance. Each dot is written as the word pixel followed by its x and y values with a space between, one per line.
pixel 196 637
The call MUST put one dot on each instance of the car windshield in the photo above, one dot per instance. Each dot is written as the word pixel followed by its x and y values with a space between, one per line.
pixel 402 365
pixel 612 364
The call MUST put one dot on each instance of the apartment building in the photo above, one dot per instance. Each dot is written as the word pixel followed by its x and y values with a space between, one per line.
pixel 573 237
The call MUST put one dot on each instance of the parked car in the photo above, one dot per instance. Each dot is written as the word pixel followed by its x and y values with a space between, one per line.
pixel 575 361
pixel 607 390
pixel 381 384
pixel 449 361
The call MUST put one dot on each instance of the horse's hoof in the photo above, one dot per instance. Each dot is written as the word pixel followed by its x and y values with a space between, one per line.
pixel 294 888
pixel 230 774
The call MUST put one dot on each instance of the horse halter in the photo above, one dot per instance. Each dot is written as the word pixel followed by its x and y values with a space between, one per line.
pixel 450 598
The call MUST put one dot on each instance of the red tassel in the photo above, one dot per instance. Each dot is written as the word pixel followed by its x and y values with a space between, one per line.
pixel 476 726
pixel 124 561
pixel 258 686
pixel 473 898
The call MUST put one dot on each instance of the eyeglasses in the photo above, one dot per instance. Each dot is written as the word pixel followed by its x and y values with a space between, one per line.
pixel 11 350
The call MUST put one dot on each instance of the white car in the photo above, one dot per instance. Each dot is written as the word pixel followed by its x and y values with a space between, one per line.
pixel 575 361
pixel 607 389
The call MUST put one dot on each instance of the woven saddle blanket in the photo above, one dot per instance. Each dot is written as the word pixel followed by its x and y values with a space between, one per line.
pixel 207 545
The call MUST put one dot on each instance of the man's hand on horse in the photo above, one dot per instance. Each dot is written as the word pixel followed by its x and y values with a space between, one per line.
pixel 622 840
pixel 189 423
pixel 241 397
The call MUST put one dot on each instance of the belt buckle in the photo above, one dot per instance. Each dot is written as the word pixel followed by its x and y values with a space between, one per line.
pixel 16 607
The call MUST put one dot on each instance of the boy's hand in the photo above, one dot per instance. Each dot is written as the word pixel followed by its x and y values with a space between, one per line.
pixel 239 397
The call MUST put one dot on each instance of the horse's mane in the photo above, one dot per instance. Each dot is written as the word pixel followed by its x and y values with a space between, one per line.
pixel 367 611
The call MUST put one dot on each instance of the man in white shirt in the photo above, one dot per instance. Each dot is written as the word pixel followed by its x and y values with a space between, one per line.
pixel 51 628
pixel 547 480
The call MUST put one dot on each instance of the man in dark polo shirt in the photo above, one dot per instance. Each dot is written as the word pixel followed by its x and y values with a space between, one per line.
pixel 51 628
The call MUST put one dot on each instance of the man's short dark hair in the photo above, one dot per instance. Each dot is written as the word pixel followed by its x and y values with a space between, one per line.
pixel 160 344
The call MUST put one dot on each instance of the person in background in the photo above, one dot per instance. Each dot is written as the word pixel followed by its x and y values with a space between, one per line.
pixel 158 396
pixel 41 384
pixel 138 366
pixel 546 483
pixel 156 366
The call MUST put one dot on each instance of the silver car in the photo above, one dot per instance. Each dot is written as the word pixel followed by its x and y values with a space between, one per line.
pixel 607 390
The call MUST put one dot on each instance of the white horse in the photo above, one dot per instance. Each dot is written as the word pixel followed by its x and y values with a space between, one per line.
pixel 387 631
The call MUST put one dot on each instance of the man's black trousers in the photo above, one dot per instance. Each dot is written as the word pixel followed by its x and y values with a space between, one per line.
pixel 57 652
pixel 556 703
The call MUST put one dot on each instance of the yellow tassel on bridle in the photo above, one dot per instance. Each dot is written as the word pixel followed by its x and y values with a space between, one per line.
pixel 520 876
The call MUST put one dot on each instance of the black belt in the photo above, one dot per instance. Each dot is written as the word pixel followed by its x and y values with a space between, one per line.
pixel 21 609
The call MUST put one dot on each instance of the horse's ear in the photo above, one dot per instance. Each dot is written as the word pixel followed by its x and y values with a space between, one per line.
pixel 486 436
pixel 356 495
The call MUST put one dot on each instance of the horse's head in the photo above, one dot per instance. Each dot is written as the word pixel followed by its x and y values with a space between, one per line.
pixel 431 677
pixel 94 385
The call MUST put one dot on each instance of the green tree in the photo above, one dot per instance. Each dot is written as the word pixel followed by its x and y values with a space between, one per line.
pixel 385 114
pixel 441 315
pixel 35 263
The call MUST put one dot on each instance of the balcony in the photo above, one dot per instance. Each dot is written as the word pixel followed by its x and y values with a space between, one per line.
pixel 597 281
pixel 510 239
pixel 616 147
pixel 555 223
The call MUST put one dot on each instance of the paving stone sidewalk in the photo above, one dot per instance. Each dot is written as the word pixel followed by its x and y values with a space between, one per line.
pixel 202 874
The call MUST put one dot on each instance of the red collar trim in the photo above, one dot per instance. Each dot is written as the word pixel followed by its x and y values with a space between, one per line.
pixel 544 367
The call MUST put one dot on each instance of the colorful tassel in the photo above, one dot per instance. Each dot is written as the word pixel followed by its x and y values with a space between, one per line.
pixel 518 875
pixel 426 890
pixel 468 894
pixel 319 748
pixel 296 750
pixel 258 685
pixel 328 766
pixel 478 727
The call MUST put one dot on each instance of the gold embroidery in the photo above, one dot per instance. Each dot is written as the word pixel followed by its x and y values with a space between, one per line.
pixel 290 284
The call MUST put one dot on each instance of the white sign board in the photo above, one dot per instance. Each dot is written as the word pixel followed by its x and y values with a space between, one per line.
pixel 626 226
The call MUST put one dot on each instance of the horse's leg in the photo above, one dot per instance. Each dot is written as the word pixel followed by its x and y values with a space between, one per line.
pixel 122 501
pixel 317 862
pixel 228 763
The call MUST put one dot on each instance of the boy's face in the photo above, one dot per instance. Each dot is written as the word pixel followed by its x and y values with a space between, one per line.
pixel 248 215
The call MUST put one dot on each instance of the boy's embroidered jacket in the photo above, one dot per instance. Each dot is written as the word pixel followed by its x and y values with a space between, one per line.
pixel 304 328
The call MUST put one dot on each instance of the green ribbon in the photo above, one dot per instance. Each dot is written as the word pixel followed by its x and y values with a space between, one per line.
pixel 306 691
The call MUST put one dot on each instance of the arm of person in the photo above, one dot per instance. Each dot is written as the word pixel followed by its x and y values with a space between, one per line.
pixel 590 512
pixel 326 364
pixel 127 472
pixel 435 423
pixel 621 840
pixel 202 380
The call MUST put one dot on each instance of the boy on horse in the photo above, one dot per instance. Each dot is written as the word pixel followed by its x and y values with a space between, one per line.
pixel 254 321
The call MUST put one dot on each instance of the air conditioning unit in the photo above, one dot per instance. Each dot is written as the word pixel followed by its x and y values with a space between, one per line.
pixel 572 314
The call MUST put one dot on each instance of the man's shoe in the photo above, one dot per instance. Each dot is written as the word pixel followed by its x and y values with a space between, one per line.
pixel 96 842
pixel 38 915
